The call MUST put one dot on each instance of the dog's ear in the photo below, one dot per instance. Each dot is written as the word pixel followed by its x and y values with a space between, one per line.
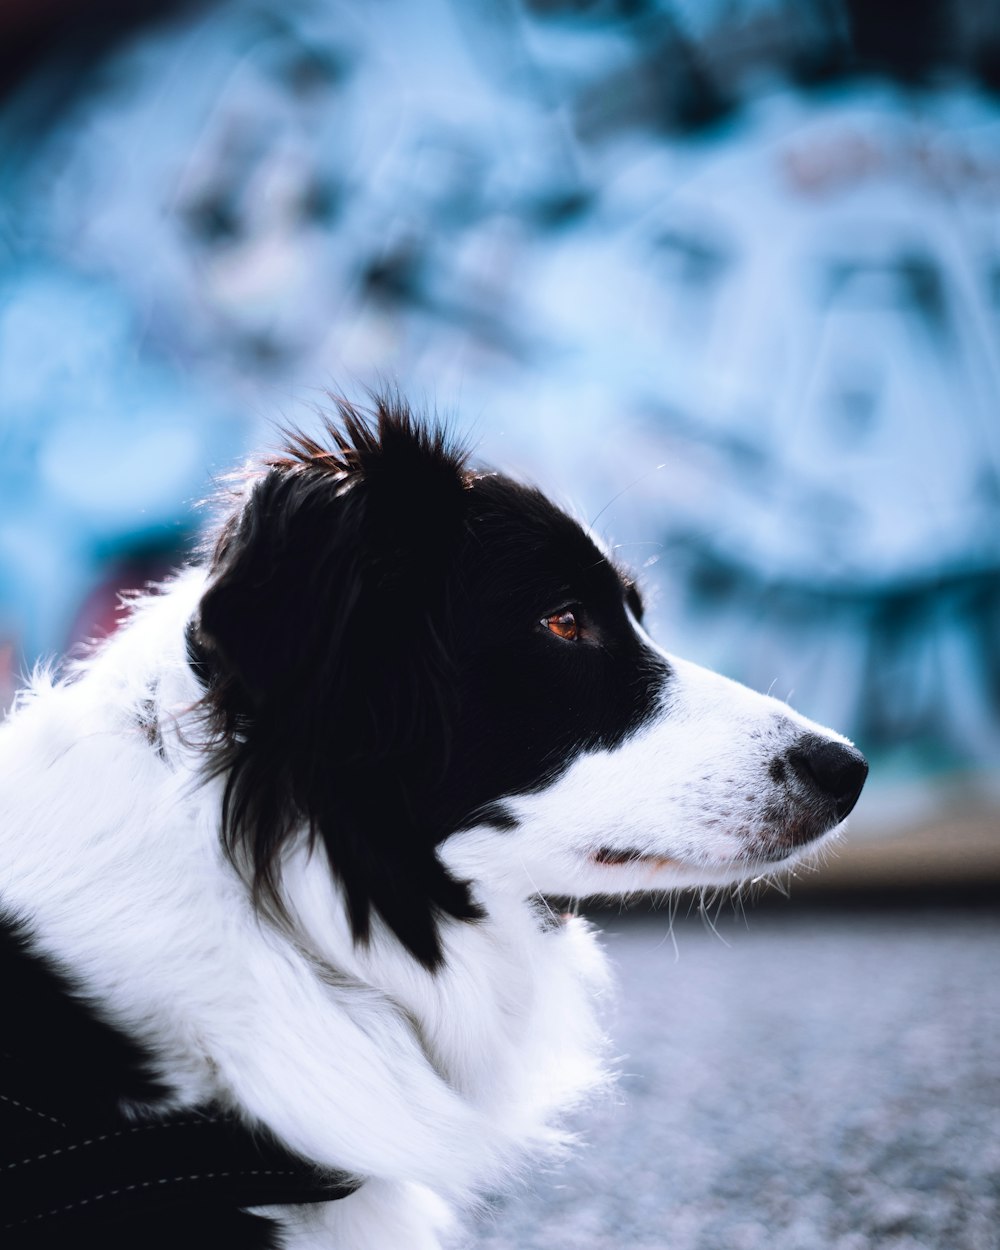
pixel 340 547
pixel 325 630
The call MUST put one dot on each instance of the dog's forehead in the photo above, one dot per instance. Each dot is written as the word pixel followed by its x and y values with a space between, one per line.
pixel 523 519
pixel 519 541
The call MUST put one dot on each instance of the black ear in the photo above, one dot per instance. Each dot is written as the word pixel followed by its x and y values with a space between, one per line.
pixel 339 536
pixel 325 625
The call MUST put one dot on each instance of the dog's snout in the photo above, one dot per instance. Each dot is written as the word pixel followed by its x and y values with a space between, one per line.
pixel 833 769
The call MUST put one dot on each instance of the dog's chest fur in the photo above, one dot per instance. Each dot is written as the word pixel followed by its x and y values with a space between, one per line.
pixel 161 930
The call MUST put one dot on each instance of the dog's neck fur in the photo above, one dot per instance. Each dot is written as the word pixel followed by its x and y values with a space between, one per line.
pixel 481 1042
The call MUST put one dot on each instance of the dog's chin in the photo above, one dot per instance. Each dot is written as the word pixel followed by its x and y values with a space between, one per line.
pixel 788 850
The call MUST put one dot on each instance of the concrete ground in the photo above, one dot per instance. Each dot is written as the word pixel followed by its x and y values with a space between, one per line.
pixel 808 1077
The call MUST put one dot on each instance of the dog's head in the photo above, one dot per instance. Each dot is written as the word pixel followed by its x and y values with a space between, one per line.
pixel 442 677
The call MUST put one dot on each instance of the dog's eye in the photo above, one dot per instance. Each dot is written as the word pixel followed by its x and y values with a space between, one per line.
pixel 563 625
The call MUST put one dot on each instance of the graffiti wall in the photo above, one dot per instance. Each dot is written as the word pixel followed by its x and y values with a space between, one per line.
pixel 726 275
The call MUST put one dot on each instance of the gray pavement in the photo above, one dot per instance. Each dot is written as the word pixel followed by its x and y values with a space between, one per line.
pixel 801 1080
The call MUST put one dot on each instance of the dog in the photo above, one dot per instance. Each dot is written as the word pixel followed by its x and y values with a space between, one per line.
pixel 290 833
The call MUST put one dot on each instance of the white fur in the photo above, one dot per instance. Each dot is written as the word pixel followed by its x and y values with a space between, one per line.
pixel 432 1085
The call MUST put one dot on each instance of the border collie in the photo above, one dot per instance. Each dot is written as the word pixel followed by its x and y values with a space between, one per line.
pixel 290 832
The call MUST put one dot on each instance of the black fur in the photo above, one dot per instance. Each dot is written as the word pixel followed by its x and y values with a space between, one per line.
pixel 75 1169
pixel 83 1064
pixel 377 668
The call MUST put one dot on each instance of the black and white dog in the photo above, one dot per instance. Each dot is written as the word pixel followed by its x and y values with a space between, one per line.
pixel 289 832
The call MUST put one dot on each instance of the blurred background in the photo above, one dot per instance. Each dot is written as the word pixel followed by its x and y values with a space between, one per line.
pixel 723 274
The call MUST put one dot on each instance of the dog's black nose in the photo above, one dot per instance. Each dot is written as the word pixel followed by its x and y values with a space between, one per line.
pixel 833 769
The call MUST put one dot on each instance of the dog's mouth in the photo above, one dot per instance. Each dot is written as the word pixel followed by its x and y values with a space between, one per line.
pixel 759 856
pixel 630 857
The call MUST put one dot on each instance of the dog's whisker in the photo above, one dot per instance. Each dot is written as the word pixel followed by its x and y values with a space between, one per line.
pixel 624 491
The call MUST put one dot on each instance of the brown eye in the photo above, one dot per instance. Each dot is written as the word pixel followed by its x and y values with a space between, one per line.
pixel 563 625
